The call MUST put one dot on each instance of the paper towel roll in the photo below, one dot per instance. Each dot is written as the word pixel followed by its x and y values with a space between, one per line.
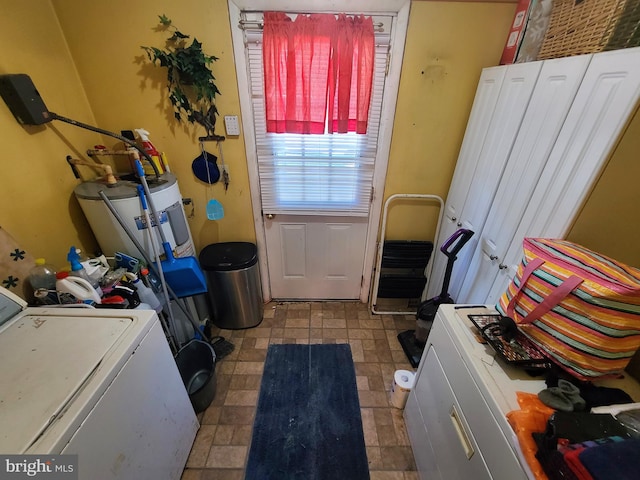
pixel 402 385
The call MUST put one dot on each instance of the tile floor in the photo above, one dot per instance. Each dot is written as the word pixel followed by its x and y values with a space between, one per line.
pixel 221 447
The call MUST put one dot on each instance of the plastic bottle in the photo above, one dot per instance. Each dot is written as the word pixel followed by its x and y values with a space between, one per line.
pixel 143 306
pixel 43 277
pixel 151 281
pixel 77 270
pixel 147 296
pixel 80 288
pixel 151 150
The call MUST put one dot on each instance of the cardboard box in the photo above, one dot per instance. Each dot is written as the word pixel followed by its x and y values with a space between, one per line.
pixel 516 32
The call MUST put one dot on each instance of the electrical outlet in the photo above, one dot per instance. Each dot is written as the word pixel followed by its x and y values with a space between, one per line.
pixel 231 125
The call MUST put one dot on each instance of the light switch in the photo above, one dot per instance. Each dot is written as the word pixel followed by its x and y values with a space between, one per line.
pixel 231 125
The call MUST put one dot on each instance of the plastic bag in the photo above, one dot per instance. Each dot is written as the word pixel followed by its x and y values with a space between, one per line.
pixel 532 417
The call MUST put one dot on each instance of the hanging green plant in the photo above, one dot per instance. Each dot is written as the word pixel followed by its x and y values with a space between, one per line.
pixel 190 81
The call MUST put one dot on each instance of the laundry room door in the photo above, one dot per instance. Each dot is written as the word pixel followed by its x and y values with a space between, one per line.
pixel 320 248
pixel 315 257
pixel 316 192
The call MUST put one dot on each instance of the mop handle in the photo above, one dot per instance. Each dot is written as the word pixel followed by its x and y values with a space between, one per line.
pixel 150 264
pixel 143 179
pixel 163 283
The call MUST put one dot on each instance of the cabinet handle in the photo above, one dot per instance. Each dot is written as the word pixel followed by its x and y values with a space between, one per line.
pixel 502 266
pixel 453 219
pixel 493 257
pixel 459 224
pixel 462 433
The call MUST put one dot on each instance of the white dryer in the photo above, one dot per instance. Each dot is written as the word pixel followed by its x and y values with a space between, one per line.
pixel 98 383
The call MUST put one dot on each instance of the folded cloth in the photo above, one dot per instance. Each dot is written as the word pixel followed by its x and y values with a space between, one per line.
pixel 617 460
pixel 593 395
pixel 556 467
pixel 565 397
pixel 570 456
pixel 599 396
pixel 554 398
pixel 576 427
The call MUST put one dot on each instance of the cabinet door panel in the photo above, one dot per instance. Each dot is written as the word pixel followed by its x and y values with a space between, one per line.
pixel 515 93
pixel 482 110
pixel 550 102
pixel 607 96
pixel 480 166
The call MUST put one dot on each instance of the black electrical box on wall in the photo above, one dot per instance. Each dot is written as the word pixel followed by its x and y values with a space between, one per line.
pixel 23 99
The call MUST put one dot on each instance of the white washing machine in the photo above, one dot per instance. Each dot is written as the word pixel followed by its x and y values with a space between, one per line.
pixel 98 383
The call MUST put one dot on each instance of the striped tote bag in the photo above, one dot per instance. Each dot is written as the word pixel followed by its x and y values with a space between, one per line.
pixel 581 308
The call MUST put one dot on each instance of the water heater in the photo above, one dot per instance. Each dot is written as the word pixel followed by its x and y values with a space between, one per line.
pixel 112 238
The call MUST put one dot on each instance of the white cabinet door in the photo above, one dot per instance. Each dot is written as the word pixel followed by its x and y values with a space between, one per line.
pixel 482 110
pixel 551 100
pixel 487 167
pixel 484 105
pixel 608 95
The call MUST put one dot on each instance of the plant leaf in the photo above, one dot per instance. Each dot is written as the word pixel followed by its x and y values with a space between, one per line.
pixel 190 82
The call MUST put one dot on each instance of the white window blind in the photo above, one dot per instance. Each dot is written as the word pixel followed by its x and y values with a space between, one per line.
pixel 328 174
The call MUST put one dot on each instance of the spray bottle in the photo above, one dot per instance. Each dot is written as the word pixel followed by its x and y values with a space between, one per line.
pixel 78 270
pixel 151 151
pixel 146 295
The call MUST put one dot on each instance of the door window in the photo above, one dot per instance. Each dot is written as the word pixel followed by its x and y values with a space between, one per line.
pixel 315 174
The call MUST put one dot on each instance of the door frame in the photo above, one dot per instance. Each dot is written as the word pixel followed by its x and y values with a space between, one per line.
pixel 398 8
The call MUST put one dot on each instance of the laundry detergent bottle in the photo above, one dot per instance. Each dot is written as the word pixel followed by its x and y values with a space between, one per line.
pixel 80 288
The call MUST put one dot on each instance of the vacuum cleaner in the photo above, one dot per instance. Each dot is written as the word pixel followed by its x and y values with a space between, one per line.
pixel 413 341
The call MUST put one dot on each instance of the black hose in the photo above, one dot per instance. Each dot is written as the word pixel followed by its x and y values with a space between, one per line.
pixel 146 156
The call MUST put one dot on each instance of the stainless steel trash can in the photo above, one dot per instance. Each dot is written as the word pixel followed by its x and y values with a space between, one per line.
pixel 233 278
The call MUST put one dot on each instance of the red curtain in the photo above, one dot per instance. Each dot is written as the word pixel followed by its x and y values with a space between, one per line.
pixel 315 66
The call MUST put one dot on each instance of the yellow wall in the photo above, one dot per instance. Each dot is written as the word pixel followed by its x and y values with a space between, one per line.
pixel 448 45
pixel 608 222
pixel 127 92
pixel 86 60
pixel 38 208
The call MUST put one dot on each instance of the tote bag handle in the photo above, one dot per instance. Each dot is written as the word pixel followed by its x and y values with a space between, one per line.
pixel 550 301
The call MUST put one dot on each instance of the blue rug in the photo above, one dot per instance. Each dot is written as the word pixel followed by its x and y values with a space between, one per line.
pixel 308 423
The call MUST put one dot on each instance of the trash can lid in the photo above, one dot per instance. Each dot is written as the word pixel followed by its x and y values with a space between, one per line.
pixel 226 256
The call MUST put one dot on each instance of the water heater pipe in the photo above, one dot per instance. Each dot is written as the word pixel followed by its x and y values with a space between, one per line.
pixel 55 116
pixel 107 169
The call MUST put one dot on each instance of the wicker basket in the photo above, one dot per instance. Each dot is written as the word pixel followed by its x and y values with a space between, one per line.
pixel 584 26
